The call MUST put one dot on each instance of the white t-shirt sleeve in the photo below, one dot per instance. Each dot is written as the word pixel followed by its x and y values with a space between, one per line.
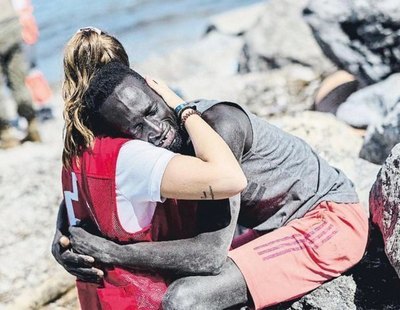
pixel 139 171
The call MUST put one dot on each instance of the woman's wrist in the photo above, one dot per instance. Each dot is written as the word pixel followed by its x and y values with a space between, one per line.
pixel 190 111
pixel 180 108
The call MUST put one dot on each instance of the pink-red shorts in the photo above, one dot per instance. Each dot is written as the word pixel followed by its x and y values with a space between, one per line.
pixel 299 257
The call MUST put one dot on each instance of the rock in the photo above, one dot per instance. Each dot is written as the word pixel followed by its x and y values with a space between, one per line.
pixel 69 301
pixel 50 289
pixel 264 93
pixel 285 90
pixel 385 206
pixel 360 36
pixel 336 294
pixel 370 105
pixel 237 21
pixel 29 198
pixel 224 88
pixel 336 142
pixel 281 37
pixel 382 137
pixel 214 55
pixel 378 106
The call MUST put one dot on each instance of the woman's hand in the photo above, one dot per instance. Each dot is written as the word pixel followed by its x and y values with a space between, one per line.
pixel 170 98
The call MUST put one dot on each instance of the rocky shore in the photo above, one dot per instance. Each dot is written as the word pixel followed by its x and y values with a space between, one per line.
pixel 272 58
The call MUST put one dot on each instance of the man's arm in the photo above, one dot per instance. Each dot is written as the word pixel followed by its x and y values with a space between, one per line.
pixel 203 254
pixel 78 265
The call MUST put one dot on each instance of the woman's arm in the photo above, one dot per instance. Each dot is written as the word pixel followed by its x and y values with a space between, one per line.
pixel 213 174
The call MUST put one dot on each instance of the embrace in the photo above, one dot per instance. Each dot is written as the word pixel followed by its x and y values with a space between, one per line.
pixel 154 188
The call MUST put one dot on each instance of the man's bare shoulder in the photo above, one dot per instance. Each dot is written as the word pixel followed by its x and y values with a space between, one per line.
pixel 226 116
pixel 232 123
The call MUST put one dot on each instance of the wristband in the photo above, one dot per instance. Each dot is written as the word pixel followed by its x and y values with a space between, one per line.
pixel 179 107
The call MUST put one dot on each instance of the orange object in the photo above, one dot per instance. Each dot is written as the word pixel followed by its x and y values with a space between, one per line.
pixel 297 258
pixel 30 31
pixel 38 87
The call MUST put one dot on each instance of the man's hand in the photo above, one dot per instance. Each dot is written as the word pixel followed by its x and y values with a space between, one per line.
pixel 78 265
pixel 84 242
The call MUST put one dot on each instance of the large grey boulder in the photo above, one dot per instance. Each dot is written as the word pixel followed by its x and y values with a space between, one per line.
pixel 360 36
pixel 385 206
pixel 380 138
pixel 286 90
pixel 275 92
pixel 281 37
pixel 208 69
pixel 370 105
pixel 237 21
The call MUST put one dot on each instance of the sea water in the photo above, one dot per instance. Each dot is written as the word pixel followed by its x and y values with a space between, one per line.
pixel 144 27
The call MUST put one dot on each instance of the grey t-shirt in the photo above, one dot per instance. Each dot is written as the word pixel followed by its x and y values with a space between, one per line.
pixel 286 178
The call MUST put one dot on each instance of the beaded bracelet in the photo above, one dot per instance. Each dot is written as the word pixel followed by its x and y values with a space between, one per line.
pixel 184 109
pixel 187 115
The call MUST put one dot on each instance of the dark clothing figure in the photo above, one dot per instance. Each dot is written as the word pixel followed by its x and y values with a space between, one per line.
pixel 13 70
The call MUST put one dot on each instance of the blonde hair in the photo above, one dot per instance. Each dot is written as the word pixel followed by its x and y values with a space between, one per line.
pixel 85 53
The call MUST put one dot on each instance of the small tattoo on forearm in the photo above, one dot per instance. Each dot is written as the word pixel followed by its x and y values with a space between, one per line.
pixel 205 194
pixel 211 192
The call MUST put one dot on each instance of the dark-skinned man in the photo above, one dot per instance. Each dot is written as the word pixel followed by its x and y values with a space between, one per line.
pixel 306 223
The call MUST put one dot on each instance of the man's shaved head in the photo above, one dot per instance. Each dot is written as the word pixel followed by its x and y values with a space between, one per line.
pixel 119 103
pixel 101 90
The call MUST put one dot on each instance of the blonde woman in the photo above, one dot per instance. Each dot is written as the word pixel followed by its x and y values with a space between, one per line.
pixel 117 184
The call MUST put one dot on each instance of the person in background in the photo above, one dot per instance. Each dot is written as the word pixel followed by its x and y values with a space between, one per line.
pixel 13 70
pixel 35 81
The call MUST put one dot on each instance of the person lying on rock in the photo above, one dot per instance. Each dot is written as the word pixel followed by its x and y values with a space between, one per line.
pixel 306 223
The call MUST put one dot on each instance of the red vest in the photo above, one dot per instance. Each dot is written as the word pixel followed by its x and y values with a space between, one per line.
pixel 89 193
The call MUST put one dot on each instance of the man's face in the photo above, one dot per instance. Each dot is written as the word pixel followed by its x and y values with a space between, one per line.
pixel 138 112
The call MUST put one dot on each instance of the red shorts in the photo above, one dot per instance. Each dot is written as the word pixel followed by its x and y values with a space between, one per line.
pixel 299 257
